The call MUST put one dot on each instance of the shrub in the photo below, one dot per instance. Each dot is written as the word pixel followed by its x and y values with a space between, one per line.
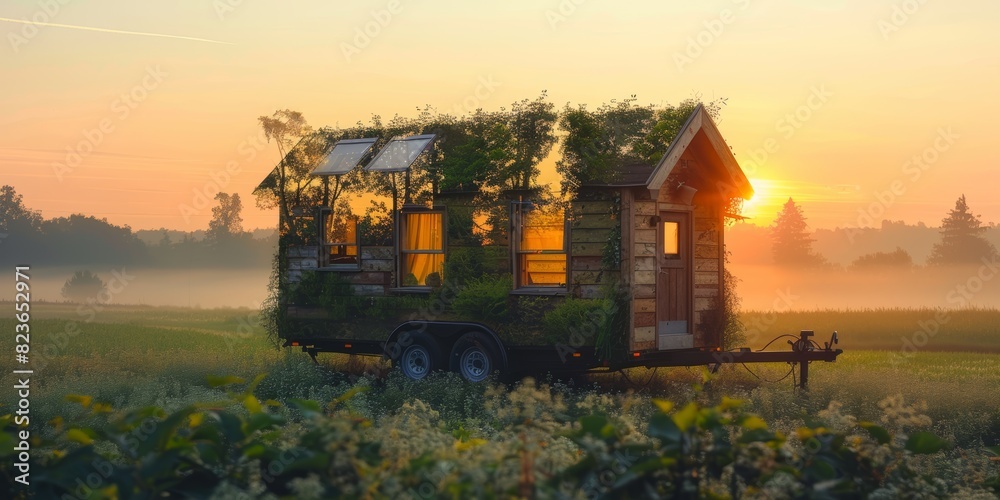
pixel 526 445
pixel 464 264
pixel 486 298
pixel 575 317
pixel 83 285
pixel 898 259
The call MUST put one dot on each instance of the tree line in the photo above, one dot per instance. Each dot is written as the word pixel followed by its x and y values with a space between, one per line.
pixel 961 243
pixel 85 240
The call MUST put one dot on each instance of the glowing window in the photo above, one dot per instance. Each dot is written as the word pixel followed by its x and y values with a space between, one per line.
pixel 340 240
pixel 541 248
pixel 671 240
pixel 422 249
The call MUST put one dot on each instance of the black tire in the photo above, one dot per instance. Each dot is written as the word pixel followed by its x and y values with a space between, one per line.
pixel 419 355
pixel 475 357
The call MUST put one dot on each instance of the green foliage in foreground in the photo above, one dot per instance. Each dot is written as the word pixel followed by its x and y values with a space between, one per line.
pixel 532 447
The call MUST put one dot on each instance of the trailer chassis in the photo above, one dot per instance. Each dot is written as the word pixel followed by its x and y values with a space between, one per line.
pixel 528 359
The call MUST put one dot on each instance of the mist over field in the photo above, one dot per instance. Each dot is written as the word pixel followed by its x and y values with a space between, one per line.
pixel 185 276
pixel 767 287
pixel 182 287
pixel 762 287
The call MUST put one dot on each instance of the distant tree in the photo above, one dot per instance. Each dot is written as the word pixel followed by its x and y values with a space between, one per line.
pixel 790 241
pixel 83 285
pixel 897 259
pixel 165 241
pixel 85 239
pixel 20 227
pixel 962 240
pixel 14 216
pixel 226 223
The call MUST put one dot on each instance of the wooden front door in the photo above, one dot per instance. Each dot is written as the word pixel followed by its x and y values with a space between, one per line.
pixel 674 293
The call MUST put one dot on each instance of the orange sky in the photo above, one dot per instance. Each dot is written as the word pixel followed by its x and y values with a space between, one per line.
pixel 843 93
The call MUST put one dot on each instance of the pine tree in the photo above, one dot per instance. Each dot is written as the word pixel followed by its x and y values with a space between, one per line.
pixel 790 241
pixel 962 240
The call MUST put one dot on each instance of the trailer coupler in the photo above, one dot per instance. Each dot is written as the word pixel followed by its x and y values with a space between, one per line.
pixel 804 351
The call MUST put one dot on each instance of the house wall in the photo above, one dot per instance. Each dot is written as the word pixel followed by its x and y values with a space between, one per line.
pixel 301 259
pixel 708 269
pixel 590 230
pixel 642 269
pixel 373 279
pixel 708 261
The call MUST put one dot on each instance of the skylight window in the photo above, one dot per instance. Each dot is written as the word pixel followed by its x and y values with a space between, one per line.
pixel 346 155
pixel 400 154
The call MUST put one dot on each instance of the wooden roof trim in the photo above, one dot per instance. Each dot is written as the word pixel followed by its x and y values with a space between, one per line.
pixel 739 178
pixel 699 121
pixel 674 151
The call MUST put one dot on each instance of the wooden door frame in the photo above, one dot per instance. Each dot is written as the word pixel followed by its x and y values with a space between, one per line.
pixel 686 247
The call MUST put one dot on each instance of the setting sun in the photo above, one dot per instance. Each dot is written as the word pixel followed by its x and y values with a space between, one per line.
pixel 759 207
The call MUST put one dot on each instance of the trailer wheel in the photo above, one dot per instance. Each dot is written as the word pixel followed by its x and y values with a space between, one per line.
pixel 420 358
pixel 475 357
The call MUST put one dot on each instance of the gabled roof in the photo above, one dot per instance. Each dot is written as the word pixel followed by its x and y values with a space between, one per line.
pixel 700 123
pixel 314 138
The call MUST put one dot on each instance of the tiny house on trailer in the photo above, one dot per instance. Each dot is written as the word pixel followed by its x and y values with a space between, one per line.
pixel 628 271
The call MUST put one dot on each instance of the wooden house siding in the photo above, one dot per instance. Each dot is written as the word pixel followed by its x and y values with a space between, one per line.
pixel 709 261
pixel 590 229
pixel 642 269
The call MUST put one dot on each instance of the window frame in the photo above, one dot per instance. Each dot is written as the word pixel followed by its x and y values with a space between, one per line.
pixel 324 254
pixel 401 253
pixel 518 211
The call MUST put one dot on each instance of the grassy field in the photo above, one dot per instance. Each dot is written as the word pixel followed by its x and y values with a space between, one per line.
pixel 120 351
pixel 132 356
pixel 939 330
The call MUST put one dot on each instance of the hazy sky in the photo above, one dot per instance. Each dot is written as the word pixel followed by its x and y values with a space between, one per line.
pixel 843 93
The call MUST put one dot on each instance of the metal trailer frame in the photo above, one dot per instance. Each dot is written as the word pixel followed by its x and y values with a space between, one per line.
pixel 564 360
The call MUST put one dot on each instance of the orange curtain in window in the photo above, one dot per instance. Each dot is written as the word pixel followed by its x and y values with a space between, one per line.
pixel 543 258
pixel 424 233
